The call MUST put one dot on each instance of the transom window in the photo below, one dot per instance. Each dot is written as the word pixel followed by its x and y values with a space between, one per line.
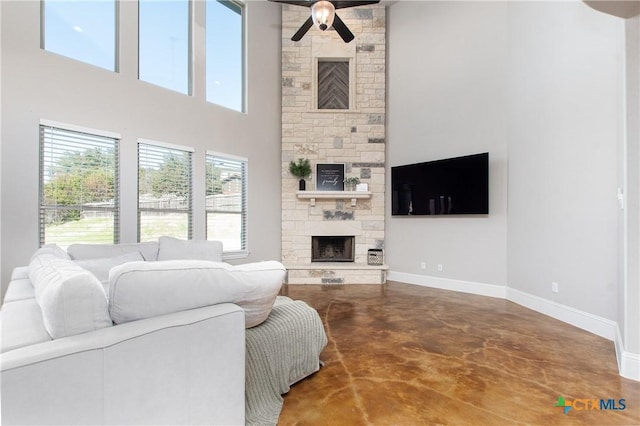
pixel 164 191
pixel 82 30
pixel 87 31
pixel 79 191
pixel 224 53
pixel 226 202
pixel 165 44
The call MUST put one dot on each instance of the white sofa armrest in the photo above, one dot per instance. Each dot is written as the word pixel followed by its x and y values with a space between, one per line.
pixel 182 368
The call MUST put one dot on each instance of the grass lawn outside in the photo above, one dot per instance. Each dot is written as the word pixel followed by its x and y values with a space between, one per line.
pixel 99 230
pixel 89 230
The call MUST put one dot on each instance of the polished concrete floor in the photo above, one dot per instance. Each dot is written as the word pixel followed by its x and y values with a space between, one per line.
pixel 406 355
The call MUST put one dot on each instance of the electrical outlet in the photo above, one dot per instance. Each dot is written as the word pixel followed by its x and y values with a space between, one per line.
pixel 554 287
pixel 440 267
pixel 423 265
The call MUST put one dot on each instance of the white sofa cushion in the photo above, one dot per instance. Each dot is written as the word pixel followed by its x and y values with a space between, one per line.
pixel 21 325
pixel 149 250
pixel 100 267
pixel 140 290
pixel 71 298
pixel 177 249
pixel 20 289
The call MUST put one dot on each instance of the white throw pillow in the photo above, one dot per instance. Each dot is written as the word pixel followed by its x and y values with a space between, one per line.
pixel 72 299
pixel 45 254
pixel 50 249
pixel 140 290
pixel 101 267
pixel 148 249
pixel 177 249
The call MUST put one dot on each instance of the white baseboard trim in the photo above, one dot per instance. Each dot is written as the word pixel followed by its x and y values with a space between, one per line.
pixel 630 367
pixel 584 320
pixel 490 290
pixel 628 363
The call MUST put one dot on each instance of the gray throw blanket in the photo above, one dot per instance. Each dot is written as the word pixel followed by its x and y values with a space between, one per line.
pixel 281 351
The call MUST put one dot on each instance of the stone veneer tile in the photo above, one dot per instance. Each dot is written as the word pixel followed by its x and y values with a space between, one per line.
pixel 371 165
pixel 362 13
pixel 365 48
pixel 338 215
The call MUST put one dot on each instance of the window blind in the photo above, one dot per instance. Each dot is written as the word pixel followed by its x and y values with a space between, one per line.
pixel 79 188
pixel 164 192
pixel 226 202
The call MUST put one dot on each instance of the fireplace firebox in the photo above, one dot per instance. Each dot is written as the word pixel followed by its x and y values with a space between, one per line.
pixel 332 248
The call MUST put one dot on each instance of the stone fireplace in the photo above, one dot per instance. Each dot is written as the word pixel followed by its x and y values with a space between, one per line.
pixel 350 133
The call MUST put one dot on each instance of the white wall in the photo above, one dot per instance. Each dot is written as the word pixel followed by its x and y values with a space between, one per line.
pixel 1 276
pixel 629 315
pixel 41 85
pixel 539 86
pixel 447 98
pixel 565 115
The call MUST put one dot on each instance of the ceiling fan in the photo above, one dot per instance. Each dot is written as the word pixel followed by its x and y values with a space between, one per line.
pixel 323 15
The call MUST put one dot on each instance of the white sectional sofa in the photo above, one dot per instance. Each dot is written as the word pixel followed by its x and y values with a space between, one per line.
pixel 145 333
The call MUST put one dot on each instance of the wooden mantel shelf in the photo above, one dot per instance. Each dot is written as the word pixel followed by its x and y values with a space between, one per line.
pixel 312 196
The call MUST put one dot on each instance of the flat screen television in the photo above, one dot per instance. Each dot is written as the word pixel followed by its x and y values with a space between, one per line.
pixel 453 186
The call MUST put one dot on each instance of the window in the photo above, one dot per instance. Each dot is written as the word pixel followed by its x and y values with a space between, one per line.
pixel 78 187
pixel 164 191
pixel 226 201
pixel 224 53
pixel 81 30
pixel 164 44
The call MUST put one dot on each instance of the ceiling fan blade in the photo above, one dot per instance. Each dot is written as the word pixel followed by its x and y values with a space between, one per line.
pixel 305 3
pixel 345 4
pixel 303 30
pixel 342 29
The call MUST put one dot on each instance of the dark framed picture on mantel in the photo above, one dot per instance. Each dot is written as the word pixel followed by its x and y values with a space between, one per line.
pixel 329 177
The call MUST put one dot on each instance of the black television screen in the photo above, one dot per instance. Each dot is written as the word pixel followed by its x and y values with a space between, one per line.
pixel 452 186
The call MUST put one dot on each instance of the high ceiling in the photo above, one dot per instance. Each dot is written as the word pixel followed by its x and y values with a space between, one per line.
pixel 620 8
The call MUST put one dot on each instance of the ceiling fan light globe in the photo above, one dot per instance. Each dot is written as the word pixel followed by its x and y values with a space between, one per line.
pixel 322 13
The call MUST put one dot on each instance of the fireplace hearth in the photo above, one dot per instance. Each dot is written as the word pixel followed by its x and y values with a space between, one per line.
pixel 332 248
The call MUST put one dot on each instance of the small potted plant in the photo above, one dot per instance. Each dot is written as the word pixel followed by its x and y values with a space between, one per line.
pixel 351 182
pixel 300 169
